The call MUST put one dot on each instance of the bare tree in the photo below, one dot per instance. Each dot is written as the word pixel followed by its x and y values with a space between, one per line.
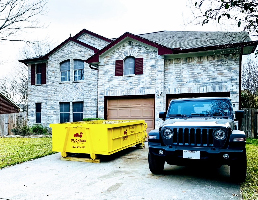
pixel 35 49
pixel 250 76
pixel 18 15
pixel 15 86
pixel 249 94
pixel 242 13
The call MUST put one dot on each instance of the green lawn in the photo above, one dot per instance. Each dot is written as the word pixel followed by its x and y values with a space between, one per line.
pixel 249 188
pixel 18 150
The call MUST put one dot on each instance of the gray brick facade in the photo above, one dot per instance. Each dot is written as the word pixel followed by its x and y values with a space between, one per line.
pixel 163 74
pixel 55 91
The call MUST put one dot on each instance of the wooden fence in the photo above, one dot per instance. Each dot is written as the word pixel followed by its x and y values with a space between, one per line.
pixel 249 123
pixel 9 121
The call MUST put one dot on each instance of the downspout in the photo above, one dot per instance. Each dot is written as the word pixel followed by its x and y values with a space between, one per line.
pixel 240 74
pixel 96 68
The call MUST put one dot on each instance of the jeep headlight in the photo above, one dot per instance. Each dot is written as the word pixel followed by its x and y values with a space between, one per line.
pixel 168 133
pixel 219 134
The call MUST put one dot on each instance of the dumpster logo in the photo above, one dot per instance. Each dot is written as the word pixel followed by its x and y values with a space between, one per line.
pixel 78 141
pixel 78 135
pixel 125 137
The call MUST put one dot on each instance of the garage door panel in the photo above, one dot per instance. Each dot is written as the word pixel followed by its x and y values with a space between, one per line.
pixel 132 109
pixel 150 124
pixel 123 113
pixel 148 112
pixel 112 113
pixel 112 103
pixel 136 112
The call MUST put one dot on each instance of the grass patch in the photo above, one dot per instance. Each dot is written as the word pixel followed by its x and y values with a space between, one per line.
pixel 17 150
pixel 249 188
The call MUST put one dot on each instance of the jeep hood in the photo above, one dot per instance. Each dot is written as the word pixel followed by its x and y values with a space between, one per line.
pixel 199 122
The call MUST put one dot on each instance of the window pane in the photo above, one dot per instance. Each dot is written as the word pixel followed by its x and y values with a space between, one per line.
pixel 78 64
pixel 38 69
pixel 82 74
pixel 65 66
pixel 68 76
pixel 78 107
pixel 78 75
pixel 38 107
pixel 64 117
pixel 64 107
pixel 129 66
pixel 77 117
pixel 38 79
pixel 65 76
pixel 38 117
pixel 38 112
pixel 76 78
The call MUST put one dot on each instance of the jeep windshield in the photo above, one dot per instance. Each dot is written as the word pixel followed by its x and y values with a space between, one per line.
pixel 217 108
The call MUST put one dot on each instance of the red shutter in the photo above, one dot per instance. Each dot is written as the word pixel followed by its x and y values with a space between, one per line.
pixel 33 74
pixel 43 73
pixel 138 66
pixel 119 68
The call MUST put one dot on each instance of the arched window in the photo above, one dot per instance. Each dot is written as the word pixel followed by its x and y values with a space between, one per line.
pixel 129 66
pixel 65 70
pixel 78 70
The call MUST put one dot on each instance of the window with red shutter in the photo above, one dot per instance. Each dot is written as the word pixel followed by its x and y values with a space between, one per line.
pixel 119 68
pixel 138 66
pixel 33 74
pixel 137 69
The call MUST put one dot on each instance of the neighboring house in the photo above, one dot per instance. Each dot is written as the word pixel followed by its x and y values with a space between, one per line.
pixel 8 115
pixel 133 76
pixel 7 106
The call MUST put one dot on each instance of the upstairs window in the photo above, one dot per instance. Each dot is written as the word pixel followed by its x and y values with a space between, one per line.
pixel 64 112
pixel 38 74
pixel 78 70
pixel 65 71
pixel 129 66
pixel 77 111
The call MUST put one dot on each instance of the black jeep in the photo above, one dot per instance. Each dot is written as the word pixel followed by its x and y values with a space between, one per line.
pixel 199 131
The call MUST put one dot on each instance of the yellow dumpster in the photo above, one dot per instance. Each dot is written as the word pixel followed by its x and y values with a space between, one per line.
pixel 103 137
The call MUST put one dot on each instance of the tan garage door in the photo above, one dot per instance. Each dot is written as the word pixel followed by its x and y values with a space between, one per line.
pixel 132 109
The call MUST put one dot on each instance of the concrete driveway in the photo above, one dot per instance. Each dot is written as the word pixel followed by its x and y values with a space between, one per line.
pixel 123 176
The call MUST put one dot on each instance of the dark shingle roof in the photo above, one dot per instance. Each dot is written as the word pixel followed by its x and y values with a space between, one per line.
pixel 195 39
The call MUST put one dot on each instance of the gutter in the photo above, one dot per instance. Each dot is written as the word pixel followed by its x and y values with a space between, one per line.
pixel 240 74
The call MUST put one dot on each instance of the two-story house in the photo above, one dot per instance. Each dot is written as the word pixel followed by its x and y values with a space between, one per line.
pixel 133 76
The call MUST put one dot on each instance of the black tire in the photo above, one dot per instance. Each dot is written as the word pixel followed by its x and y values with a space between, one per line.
pixel 156 164
pixel 238 169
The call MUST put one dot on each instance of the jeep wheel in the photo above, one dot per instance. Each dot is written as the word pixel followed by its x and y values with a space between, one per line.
pixel 238 169
pixel 156 164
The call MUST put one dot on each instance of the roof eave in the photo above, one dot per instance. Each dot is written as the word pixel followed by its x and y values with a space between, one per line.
pixel 252 44
pixel 34 60
pixel 45 57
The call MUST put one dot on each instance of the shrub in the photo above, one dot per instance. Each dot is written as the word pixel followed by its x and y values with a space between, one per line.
pixel 38 129
pixel 22 130
pixel 25 130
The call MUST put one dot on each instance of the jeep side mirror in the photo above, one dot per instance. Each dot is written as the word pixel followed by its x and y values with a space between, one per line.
pixel 239 117
pixel 239 114
pixel 162 115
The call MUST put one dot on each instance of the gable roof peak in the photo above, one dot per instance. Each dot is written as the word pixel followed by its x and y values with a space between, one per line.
pixel 85 31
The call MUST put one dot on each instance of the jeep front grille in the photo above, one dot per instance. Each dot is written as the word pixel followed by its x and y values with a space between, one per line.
pixel 193 136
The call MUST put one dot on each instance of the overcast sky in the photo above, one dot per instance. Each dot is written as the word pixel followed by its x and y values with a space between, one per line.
pixel 109 18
